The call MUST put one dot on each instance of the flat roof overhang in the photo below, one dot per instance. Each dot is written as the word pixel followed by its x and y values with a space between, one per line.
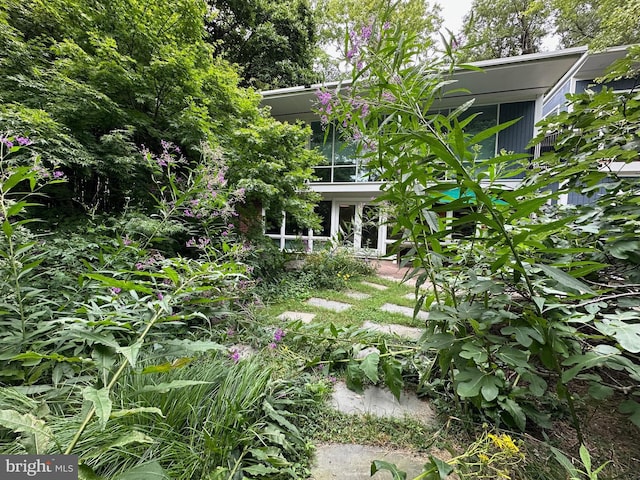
pixel 502 80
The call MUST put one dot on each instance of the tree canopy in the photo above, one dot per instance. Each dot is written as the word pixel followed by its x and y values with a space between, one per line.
pixel 504 28
pixel 272 42
pixel 92 82
pixel 337 18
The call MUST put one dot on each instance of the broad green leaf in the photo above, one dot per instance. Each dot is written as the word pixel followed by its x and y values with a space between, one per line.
pixel 516 412
pixel 443 468
pixel 148 471
pixel 101 402
pixel 524 335
pixel 490 387
pixel 124 285
pixel 474 352
pixel 513 356
pixel 165 387
pixel 354 377
pixel 260 470
pixel 586 458
pixel 600 392
pixel 626 334
pixel 631 408
pixel 370 366
pixel 37 436
pixel 392 369
pixel 564 278
pixel 469 382
pixel 131 353
pixel 396 474
pixel 86 473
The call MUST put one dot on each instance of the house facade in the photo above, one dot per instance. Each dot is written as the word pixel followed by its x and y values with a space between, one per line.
pixel 530 87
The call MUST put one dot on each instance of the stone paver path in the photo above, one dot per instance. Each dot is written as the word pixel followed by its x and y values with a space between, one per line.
pixel 353 462
pixel 306 317
pixel 406 311
pixel 328 304
pixel 377 286
pixel 411 333
pixel 357 295
pixel 381 403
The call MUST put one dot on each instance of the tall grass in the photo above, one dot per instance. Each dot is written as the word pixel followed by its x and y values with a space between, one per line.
pixel 209 430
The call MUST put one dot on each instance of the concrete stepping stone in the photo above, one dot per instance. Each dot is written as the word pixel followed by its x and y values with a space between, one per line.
pixel 412 333
pixel 380 402
pixel 406 311
pixel 377 286
pixel 353 462
pixel 357 295
pixel 328 304
pixel 305 317
pixel 410 296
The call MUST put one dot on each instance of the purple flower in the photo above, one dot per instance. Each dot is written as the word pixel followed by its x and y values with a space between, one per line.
pixel 191 242
pixel 115 290
pixel 324 97
pixel 273 346
pixel 23 141
pixel 388 96
pixel 231 332
pixel 126 240
pixel 187 213
pixel 160 296
pixel 386 26
pixel 365 32
pixel 278 335
pixel 58 174
pixel 235 355
pixel 139 266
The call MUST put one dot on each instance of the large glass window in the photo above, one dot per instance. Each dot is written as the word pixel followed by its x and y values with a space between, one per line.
pixel 486 117
pixel 342 163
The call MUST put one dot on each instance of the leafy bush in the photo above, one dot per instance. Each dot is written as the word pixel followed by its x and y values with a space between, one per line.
pixel 515 313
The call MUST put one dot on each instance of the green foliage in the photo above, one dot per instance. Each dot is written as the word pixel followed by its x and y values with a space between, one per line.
pixel 337 17
pixel 114 358
pixel 504 28
pixel 515 297
pixel 273 42
pixel 90 83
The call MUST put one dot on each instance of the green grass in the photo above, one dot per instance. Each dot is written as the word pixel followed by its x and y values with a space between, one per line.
pixel 362 310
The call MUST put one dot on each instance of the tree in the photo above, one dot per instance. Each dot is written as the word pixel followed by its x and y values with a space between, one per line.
pixel 598 23
pixel 577 22
pixel 272 42
pixel 338 18
pixel 91 82
pixel 504 28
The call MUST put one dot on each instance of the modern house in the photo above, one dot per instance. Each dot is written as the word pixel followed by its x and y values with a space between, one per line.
pixel 528 86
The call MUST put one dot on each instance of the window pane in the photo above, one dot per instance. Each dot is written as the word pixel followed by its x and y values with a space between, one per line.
pixel 322 173
pixel 344 174
pixel 345 153
pixel 272 222
pixel 487 117
pixel 323 209
pixel 370 221
pixel 291 227
pixel 346 219
pixel 318 139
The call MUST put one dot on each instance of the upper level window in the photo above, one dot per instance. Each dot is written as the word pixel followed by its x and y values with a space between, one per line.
pixel 342 161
